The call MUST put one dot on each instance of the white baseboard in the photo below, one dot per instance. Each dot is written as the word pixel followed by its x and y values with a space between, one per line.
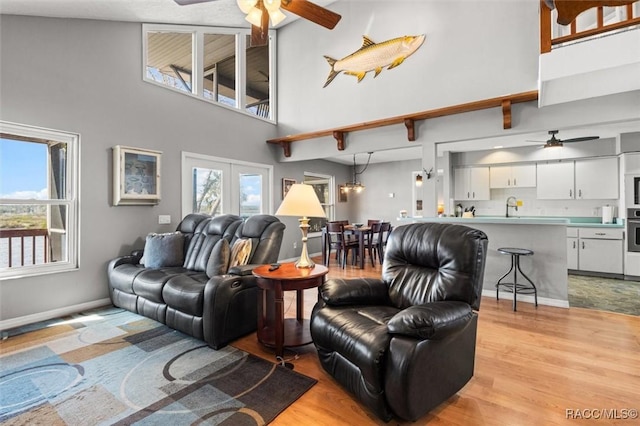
pixel 55 313
pixel 527 298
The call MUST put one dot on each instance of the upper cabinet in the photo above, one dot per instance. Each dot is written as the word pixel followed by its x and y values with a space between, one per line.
pixel 597 179
pixel 593 179
pixel 555 181
pixel 520 176
pixel 471 183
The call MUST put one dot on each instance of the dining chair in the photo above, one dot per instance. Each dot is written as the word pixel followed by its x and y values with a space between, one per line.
pixel 380 243
pixel 336 240
pixel 372 240
pixel 370 237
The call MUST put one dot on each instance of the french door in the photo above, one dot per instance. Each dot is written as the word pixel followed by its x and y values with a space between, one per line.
pixel 216 186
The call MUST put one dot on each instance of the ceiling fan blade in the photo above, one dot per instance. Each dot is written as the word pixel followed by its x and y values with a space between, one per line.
pixel 312 12
pixel 582 139
pixel 188 2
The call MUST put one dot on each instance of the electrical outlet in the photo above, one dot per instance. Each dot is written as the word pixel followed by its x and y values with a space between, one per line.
pixel 164 219
pixel 295 244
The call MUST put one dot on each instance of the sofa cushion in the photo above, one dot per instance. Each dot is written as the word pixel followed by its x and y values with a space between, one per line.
pixel 240 252
pixel 185 293
pixel 163 250
pixel 149 282
pixel 219 259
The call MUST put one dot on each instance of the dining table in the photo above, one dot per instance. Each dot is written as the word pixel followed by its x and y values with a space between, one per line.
pixel 358 231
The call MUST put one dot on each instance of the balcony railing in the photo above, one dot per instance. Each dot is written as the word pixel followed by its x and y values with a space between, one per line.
pixel 26 246
pixel 599 26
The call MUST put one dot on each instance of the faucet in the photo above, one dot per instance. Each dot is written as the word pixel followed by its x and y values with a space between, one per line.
pixel 511 202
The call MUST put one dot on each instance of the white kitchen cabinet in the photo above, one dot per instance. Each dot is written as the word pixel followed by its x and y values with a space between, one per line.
pixel 572 248
pixel 471 183
pixel 555 181
pixel 593 179
pixel 597 179
pixel 517 176
pixel 595 250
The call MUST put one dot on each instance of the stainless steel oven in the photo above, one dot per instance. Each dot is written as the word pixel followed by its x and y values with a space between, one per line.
pixel 632 190
pixel 633 230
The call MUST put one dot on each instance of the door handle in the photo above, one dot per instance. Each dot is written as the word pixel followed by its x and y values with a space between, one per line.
pixel 583 245
pixel 508 182
pixel 580 193
pixel 574 244
pixel 514 182
pixel 570 193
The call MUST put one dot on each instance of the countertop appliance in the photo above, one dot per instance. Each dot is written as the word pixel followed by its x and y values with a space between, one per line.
pixel 633 230
pixel 608 212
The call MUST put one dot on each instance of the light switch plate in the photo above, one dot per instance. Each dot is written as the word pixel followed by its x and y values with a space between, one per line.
pixel 164 219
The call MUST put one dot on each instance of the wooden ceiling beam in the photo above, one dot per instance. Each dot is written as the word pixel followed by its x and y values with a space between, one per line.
pixel 409 120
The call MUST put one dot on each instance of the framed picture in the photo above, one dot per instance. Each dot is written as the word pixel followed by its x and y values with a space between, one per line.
pixel 136 176
pixel 342 194
pixel 286 185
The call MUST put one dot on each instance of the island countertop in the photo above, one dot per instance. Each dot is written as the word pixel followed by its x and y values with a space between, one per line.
pixel 518 220
pixel 546 237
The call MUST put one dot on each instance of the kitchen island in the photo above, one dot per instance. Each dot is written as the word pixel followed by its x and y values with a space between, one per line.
pixel 546 236
pixel 547 268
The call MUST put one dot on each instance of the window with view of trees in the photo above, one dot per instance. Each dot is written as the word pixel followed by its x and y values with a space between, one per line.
pixel 38 200
pixel 214 64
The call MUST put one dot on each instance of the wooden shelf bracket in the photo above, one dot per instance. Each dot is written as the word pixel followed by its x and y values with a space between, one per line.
pixel 506 114
pixel 410 124
pixel 339 137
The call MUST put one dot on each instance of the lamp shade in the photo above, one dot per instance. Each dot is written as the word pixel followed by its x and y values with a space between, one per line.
pixel 301 200
pixel 246 5
pixel 254 17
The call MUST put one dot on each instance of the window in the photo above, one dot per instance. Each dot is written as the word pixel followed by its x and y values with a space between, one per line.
pixel 324 188
pixel 214 64
pixel 216 186
pixel 38 200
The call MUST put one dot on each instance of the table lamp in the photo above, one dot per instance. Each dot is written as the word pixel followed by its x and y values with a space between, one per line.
pixel 301 200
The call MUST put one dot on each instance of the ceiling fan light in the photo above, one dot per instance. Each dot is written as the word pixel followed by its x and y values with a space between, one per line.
pixel 254 17
pixel 246 5
pixel 553 144
pixel 276 17
pixel 271 5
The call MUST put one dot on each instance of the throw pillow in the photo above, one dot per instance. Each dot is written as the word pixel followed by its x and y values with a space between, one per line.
pixel 240 252
pixel 218 263
pixel 163 250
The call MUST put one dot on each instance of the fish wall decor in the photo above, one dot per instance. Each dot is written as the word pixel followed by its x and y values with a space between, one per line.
pixel 374 57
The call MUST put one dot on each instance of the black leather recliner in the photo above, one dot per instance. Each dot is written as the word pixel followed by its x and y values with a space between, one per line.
pixel 195 298
pixel 405 343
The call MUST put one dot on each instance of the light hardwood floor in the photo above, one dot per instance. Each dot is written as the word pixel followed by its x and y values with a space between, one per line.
pixel 531 367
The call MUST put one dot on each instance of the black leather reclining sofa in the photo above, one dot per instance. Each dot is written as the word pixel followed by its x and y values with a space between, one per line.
pixel 201 297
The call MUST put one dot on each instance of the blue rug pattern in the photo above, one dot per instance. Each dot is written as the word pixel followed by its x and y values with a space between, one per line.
pixel 111 366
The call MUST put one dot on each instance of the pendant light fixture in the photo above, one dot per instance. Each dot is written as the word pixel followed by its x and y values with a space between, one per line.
pixel 355 185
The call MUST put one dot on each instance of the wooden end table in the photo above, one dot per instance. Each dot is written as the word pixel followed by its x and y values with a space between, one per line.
pixel 273 329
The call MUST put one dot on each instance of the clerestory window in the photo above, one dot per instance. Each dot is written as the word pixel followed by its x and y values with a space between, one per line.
pixel 214 64
pixel 38 200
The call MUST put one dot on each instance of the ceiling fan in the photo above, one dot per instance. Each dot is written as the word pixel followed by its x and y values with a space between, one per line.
pixel 554 142
pixel 260 11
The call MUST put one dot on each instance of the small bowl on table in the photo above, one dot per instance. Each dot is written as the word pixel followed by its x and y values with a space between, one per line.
pixel 358 225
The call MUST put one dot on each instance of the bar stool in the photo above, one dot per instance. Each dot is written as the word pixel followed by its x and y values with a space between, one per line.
pixel 514 286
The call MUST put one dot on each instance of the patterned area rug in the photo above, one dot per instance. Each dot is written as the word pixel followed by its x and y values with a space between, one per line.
pixel 110 366
pixel 604 294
